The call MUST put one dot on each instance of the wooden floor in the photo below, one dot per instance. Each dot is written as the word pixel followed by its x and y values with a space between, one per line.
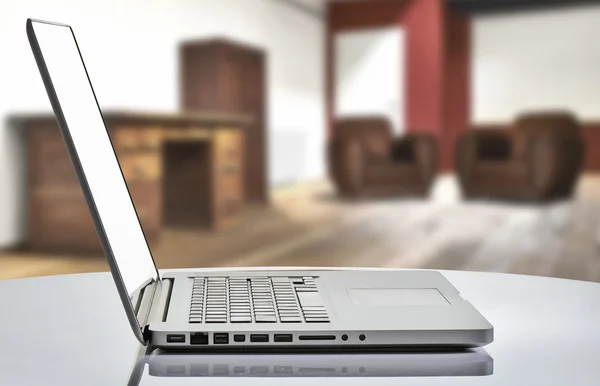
pixel 308 226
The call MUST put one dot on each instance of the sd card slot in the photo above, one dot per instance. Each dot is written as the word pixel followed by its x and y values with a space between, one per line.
pixel 316 337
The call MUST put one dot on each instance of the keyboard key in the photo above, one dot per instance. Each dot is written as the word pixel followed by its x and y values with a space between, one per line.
pixel 310 299
pixel 243 313
pixel 285 319
pixel 313 308
pixel 321 315
pixel 236 319
pixel 216 312
pixel 317 320
pixel 273 320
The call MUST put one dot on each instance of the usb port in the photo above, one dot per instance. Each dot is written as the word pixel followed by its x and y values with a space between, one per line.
pixel 282 337
pixel 259 338
pixel 221 338
pixel 175 338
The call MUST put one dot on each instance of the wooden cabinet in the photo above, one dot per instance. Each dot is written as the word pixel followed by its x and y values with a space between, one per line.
pixel 219 75
pixel 181 170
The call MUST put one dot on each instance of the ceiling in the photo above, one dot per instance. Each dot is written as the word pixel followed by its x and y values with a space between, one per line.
pixel 315 4
pixel 317 7
pixel 313 7
pixel 495 6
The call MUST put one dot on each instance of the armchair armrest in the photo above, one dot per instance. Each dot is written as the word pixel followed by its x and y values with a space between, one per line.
pixel 420 149
pixel 495 145
pixel 553 162
pixel 346 164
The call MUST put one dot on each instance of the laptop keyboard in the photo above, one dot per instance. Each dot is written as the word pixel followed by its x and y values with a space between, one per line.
pixel 256 300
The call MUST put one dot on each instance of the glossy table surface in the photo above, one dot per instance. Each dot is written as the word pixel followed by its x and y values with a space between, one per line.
pixel 71 330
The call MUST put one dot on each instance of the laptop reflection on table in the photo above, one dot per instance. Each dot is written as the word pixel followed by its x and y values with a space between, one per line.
pixel 471 362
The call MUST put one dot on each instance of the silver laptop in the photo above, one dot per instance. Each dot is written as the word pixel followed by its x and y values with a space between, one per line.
pixel 264 310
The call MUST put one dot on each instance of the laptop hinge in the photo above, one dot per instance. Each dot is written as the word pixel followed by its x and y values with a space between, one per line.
pixel 159 305
pixel 144 303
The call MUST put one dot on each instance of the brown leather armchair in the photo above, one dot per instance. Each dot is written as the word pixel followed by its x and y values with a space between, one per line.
pixel 366 160
pixel 539 158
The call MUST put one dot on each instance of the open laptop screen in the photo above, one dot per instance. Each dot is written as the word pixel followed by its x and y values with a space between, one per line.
pixel 91 144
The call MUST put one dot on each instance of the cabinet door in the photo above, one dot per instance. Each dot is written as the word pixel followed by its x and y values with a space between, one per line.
pixel 253 103
pixel 231 81
pixel 199 77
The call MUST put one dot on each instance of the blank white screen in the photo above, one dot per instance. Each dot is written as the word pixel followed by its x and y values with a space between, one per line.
pixel 94 149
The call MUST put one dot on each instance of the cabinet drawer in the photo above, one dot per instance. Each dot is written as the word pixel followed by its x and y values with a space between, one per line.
pixel 229 206
pixel 229 147
pixel 229 196
pixel 146 197
pixel 59 217
pixel 230 185
pixel 61 221
pixel 141 167
pixel 49 162
pixel 137 139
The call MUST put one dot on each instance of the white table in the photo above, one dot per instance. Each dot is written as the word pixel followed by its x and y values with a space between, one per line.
pixel 71 330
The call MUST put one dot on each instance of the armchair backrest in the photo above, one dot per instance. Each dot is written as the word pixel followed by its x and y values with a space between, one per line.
pixel 374 134
pixel 558 123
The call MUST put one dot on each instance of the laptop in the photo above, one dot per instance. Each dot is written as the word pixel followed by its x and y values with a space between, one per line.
pixel 237 309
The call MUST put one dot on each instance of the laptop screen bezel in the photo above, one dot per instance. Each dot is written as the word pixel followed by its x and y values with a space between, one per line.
pixel 136 321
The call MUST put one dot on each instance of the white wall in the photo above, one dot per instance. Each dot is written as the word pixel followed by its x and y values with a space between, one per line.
pixel 130 48
pixel 369 67
pixel 536 60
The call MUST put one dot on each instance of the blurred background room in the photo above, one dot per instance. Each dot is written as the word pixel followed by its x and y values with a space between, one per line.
pixel 443 134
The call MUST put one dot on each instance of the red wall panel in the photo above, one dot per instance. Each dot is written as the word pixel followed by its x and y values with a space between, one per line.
pixel 591 136
pixel 457 84
pixel 423 25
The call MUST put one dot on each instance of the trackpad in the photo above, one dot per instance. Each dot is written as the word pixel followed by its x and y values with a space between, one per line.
pixel 397 297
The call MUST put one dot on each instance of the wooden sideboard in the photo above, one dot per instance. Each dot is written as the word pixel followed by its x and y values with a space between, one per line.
pixel 182 170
